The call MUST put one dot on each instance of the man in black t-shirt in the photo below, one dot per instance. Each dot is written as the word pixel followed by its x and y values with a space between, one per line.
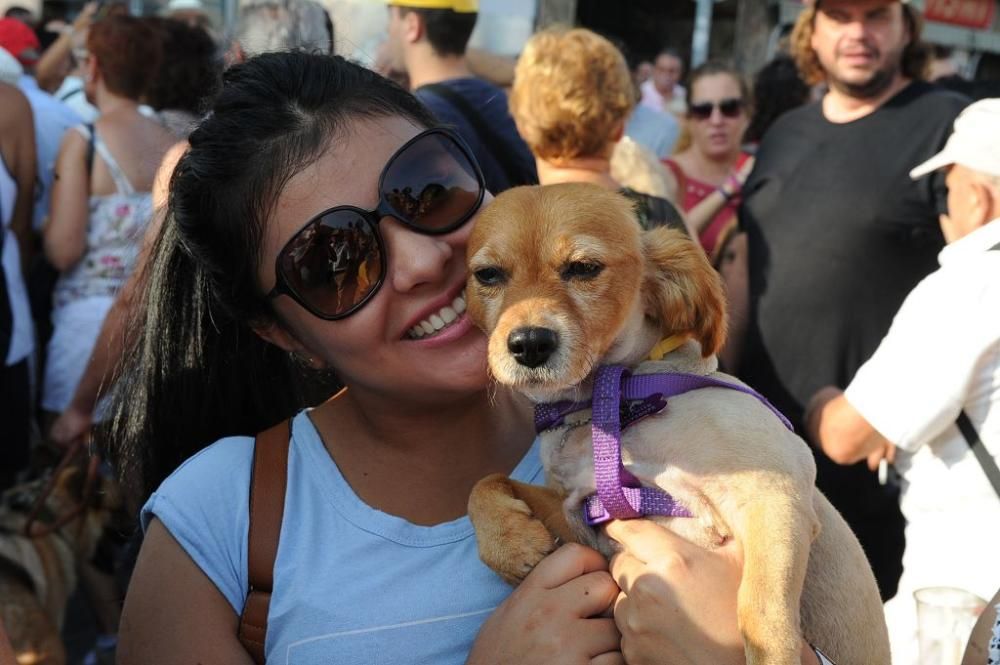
pixel 427 40
pixel 837 234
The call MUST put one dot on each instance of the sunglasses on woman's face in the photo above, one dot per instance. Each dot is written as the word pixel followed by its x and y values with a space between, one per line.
pixel 730 108
pixel 337 262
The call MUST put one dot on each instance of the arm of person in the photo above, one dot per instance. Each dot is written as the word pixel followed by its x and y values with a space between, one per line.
pixel 733 269
pixel 700 216
pixel 173 613
pixel 554 615
pixel 65 233
pixel 678 601
pixel 497 69
pixel 17 148
pixel 109 348
pixel 916 382
pixel 52 63
pixel 842 432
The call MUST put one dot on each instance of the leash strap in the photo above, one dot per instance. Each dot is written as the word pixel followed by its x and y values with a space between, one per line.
pixel 619 494
pixel 267 507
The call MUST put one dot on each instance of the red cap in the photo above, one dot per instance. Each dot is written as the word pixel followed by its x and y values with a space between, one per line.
pixel 19 40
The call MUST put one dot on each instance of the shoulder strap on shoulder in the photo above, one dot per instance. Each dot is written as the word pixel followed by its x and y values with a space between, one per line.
pixel 267 507
pixel 497 147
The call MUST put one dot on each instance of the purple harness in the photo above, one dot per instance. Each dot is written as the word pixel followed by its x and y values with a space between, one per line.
pixel 620 400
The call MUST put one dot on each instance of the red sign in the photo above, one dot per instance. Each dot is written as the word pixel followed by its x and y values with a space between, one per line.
pixel 968 13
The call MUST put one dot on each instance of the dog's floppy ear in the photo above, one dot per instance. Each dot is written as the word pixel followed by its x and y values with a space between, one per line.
pixel 681 289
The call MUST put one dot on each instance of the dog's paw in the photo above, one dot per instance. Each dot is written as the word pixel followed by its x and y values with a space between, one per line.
pixel 511 539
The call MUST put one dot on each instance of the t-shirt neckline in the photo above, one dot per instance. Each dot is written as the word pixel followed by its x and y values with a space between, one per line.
pixel 321 469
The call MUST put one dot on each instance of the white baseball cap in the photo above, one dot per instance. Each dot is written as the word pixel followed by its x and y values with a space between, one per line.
pixel 974 143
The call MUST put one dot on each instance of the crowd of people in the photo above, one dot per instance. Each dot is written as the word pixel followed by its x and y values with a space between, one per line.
pixel 205 236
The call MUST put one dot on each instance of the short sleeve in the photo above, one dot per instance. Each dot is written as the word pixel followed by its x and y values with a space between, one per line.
pixel 204 505
pixel 916 382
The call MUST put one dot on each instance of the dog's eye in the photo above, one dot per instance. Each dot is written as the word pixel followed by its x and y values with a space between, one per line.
pixel 490 276
pixel 581 270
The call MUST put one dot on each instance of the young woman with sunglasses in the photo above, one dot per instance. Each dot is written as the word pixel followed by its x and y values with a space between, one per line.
pixel 318 223
pixel 711 169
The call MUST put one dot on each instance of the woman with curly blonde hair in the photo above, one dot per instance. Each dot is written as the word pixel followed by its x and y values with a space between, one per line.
pixel 572 95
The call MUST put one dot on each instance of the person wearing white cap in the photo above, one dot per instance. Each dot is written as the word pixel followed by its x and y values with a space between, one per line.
pixel 933 388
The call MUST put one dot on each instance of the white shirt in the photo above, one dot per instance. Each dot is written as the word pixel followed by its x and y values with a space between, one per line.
pixel 22 341
pixel 652 98
pixel 52 120
pixel 941 356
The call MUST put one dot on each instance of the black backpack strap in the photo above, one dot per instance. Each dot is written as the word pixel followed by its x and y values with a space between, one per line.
pixel 267 507
pixel 497 146
pixel 971 437
pixel 979 450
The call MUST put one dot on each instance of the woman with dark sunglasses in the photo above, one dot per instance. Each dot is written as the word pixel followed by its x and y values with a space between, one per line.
pixel 318 225
pixel 710 165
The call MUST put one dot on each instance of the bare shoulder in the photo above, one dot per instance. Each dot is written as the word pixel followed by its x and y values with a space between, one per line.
pixel 15 112
pixel 173 612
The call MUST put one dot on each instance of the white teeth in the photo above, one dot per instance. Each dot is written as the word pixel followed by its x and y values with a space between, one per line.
pixel 440 319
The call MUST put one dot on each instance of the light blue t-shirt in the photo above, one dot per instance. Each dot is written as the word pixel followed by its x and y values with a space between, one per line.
pixel 352 585
pixel 654 130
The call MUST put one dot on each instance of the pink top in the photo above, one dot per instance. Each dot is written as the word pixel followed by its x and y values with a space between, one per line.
pixel 714 237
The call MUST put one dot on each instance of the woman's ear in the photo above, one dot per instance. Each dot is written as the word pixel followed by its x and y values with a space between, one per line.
pixel 681 289
pixel 274 333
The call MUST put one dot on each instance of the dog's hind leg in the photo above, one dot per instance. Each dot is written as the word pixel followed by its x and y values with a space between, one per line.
pixel 516 524
pixel 776 532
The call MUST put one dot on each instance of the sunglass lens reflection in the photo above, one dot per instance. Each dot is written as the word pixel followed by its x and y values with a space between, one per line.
pixel 432 184
pixel 334 263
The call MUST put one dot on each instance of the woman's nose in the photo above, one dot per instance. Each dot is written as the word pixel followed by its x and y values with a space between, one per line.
pixel 414 258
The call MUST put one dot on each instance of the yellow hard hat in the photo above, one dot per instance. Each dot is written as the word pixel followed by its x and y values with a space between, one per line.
pixel 458 6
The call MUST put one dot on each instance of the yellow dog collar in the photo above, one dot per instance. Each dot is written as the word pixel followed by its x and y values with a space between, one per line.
pixel 665 346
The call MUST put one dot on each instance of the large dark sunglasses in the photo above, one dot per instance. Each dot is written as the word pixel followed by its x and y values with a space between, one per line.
pixel 729 108
pixel 337 261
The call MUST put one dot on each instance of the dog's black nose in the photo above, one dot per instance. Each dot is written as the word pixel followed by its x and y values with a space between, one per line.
pixel 531 347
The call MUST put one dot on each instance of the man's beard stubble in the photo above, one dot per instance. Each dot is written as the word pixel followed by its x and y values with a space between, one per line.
pixel 880 80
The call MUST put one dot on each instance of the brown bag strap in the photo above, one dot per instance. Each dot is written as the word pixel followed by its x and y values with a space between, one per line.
pixel 267 506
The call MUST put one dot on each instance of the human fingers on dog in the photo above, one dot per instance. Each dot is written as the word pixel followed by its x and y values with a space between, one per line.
pixel 610 658
pixel 566 563
pixel 646 541
pixel 678 600
pixel 589 595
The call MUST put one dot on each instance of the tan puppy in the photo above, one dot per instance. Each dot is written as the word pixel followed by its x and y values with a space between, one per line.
pixel 562 279
pixel 37 575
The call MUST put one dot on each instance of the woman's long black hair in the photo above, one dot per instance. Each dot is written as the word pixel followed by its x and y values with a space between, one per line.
pixel 195 371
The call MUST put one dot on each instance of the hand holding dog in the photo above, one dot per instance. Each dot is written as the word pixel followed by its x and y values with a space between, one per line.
pixel 678 601
pixel 554 616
